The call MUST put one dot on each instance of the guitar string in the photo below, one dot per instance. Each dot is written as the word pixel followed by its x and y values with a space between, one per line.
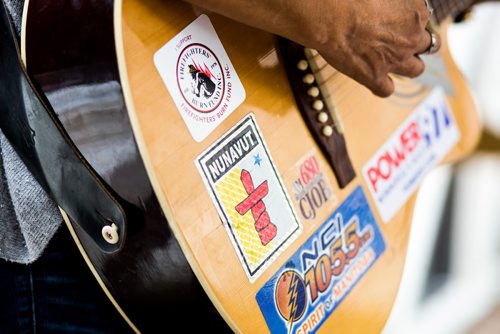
pixel 312 58
pixel 321 68
pixel 442 8
pixel 324 68
pixel 327 84
pixel 343 86
pixel 325 79
pixel 319 71
pixel 338 84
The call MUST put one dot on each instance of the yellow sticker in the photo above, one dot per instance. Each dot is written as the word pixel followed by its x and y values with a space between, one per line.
pixel 249 195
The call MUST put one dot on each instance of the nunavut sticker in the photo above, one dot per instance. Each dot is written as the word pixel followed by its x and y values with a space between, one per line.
pixel 319 276
pixel 249 196
pixel 423 139
pixel 197 72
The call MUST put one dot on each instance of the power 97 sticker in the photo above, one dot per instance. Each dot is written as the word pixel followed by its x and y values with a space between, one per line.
pixel 249 195
pixel 320 275
pixel 398 167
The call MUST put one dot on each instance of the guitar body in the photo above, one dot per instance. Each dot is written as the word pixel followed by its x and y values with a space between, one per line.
pixel 182 250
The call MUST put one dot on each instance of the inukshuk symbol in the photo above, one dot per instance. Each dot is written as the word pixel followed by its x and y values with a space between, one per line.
pixel 263 225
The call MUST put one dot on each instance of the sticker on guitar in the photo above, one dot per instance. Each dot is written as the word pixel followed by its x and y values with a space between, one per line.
pixel 319 276
pixel 419 144
pixel 311 188
pixel 197 72
pixel 249 196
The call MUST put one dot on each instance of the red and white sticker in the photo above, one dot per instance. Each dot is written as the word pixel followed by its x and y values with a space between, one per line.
pixel 249 196
pixel 419 144
pixel 311 188
pixel 197 72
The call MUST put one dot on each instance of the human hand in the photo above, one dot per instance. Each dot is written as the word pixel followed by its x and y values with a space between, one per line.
pixel 365 39
pixel 369 39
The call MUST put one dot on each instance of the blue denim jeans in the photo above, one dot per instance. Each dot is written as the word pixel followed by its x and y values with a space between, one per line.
pixel 55 294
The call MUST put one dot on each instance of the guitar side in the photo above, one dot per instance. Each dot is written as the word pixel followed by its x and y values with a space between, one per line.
pixel 74 63
pixel 195 233
pixel 368 122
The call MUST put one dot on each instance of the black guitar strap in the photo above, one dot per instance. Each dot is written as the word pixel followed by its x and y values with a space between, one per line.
pixel 33 129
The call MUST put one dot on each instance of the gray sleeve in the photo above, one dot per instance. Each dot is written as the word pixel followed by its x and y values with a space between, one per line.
pixel 15 8
pixel 28 217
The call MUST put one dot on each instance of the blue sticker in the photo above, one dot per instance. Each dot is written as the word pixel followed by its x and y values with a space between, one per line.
pixel 317 278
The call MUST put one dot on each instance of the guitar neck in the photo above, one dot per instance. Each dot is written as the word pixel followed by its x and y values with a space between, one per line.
pixel 446 8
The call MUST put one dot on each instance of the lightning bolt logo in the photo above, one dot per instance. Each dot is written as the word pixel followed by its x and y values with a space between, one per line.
pixel 290 297
pixel 292 292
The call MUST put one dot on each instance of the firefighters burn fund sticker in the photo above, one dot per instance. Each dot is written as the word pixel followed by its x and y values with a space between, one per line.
pixel 199 76
pixel 249 195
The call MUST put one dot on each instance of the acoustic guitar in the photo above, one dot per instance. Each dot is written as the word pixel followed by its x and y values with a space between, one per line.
pixel 263 190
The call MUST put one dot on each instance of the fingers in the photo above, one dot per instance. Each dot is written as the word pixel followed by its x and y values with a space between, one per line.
pixel 411 68
pixel 429 43
pixel 382 87
pixel 389 46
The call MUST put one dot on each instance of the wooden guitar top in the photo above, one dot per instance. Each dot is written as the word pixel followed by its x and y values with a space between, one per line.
pixel 171 153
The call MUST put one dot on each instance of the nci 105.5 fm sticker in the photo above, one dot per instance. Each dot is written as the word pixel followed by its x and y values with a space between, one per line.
pixel 317 278
pixel 197 72
pixel 418 145
pixel 249 196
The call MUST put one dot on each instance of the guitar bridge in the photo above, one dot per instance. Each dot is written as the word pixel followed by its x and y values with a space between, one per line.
pixel 317 110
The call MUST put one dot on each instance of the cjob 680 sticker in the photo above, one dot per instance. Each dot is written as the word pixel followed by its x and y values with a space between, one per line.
pixel 320 275
pixel 397 168
pixel 311 188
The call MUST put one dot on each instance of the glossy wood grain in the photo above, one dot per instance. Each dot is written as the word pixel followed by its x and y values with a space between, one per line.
pixel 69 48
pixel 170 152
pixel 155 280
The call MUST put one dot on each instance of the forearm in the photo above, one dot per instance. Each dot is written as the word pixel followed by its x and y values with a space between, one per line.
pixel 365 40
pixel 281 17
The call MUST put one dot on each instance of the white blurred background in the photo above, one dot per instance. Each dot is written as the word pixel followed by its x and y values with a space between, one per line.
pixel 451 282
